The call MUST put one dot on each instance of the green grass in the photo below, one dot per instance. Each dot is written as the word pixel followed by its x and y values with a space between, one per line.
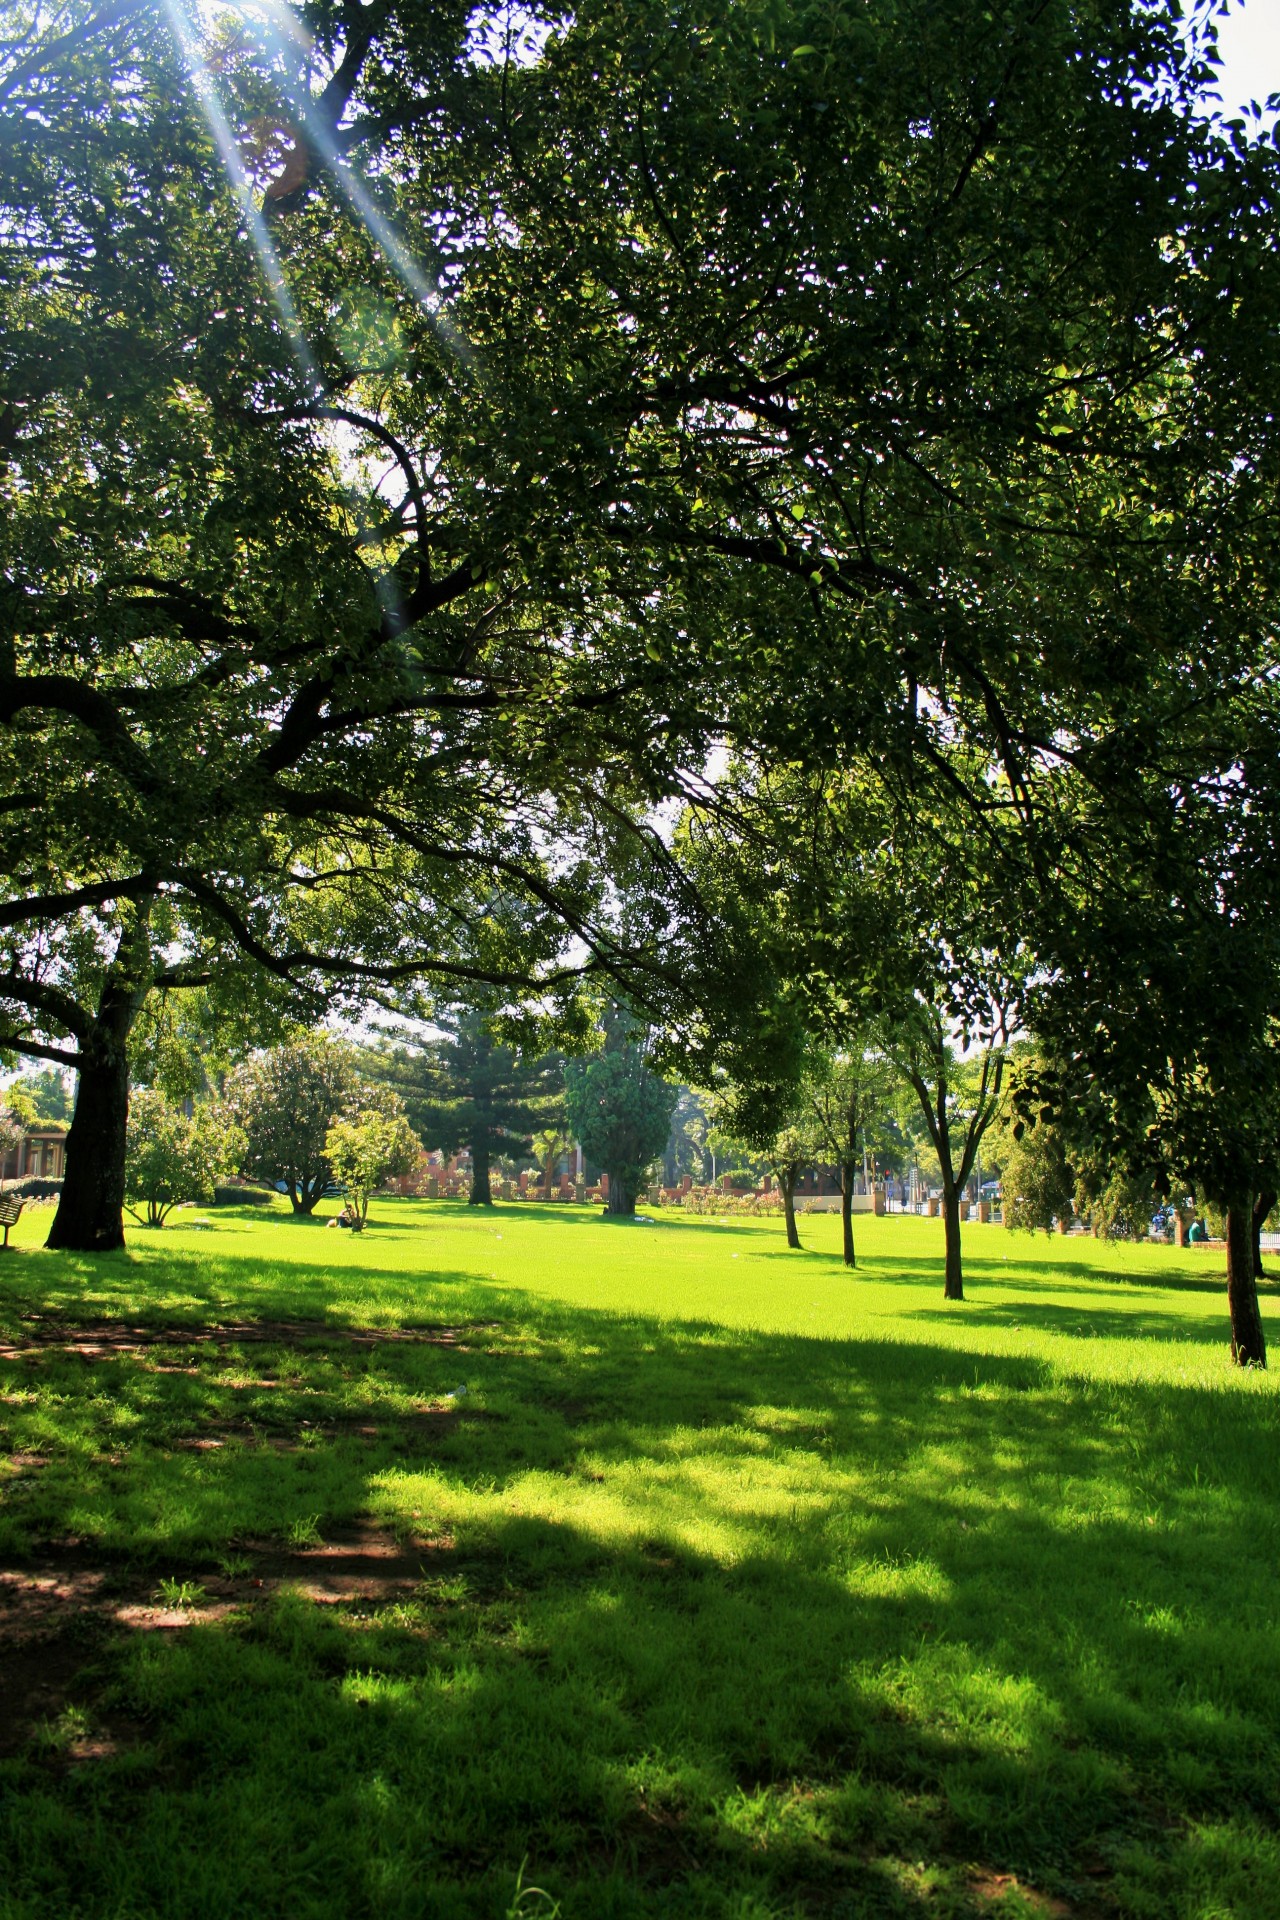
pixel 742 1586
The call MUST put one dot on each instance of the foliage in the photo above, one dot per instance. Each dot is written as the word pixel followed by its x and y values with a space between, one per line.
pixel 286 1100
pixel 688 1144
pixel 619 1109
pixel 371 1147
pixel 172 1156
pixel 301 700
pixel 1158 995
pixel 12 1130
pixel 1037 1181
pixel 465 1088
pixel 547 1145
pixel 187 1042
pixel 43 1096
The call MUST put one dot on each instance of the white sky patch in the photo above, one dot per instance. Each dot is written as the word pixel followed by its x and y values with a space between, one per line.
pixel 1249 42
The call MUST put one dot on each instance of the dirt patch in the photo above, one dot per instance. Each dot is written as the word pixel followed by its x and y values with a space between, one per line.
pixel 57 1608
pixel 101 1339
pixel 359 1562
pixel 74 1578
pixel 991 1889
pixel 424 1424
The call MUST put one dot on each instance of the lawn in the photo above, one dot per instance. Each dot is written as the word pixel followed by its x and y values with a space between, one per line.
pixel 525 1563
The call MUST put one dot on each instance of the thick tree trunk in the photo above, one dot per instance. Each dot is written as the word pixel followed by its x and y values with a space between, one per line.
pixel 1248 1346
pixel 787 1182
pixel 622 1194
pixel 1262 1206
pixel 846 1212
pixel 953 1286
pixel 90 1215
pixel 480 1196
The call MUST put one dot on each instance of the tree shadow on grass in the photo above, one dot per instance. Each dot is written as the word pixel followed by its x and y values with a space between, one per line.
pixel 714 1617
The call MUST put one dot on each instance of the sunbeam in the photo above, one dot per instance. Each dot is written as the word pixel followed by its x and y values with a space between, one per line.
pixel 280 30
pixel 206 93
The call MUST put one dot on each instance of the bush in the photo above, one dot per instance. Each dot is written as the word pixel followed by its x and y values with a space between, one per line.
pixel 243 1196
pixel 36 1188
pixel 713 1200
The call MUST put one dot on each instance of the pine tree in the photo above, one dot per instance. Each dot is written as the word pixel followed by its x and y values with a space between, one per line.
pixel 465 1089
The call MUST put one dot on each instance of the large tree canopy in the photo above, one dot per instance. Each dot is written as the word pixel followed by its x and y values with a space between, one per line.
pixel 414 449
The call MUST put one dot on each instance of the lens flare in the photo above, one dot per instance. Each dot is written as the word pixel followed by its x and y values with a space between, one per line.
pixel 206 93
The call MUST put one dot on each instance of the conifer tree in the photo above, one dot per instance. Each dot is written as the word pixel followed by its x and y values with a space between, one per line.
pixel 466 1089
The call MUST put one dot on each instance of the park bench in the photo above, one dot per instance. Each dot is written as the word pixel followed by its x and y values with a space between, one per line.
pixel 10 1207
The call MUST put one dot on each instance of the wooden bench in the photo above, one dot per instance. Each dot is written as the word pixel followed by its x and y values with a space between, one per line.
pixel 11 1205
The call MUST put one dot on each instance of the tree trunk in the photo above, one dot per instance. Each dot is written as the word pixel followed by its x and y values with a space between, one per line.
pixel 953 1287
pixel 311 1190
pixel 787 1182
pixel 846 1212
pixel 1261 1208
pixel 1248 1346
pixel 480 1196
pixel 622 1194
pixel 90 1215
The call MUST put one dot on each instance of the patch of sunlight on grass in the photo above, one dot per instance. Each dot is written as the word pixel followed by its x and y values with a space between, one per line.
pixel 728 1581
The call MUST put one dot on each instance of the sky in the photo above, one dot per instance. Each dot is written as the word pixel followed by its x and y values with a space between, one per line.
pixel 1249 41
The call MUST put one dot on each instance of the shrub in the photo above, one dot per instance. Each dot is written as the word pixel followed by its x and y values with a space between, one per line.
pixel 171 1156
pixel 714 1200
pixel 37 1188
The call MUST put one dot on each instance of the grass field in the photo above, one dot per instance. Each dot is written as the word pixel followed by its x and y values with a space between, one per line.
pixel 525 1563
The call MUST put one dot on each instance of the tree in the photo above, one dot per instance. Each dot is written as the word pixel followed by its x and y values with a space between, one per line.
pixel 687 1143
pixel 861 378
pixel 861 887
pixel 1037 1176
pixel 44 1096
pixel 959 1097
pixel 373 1146
pixel 255 718
pixel 842 1098
pixel 171 1156
pixel 1161 972
pixel 548 1144
pixel 12 1132
pixel 788 1147
pixel 286 1101
pixel 619 1109
pixel 465 1088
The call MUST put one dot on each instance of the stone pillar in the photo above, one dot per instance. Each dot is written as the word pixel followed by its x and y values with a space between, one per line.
pixel 1180 1226
pixel 604 1186
pixel 934 1206
pixel 877 1202
pixel 432 1187
pixel 984 1211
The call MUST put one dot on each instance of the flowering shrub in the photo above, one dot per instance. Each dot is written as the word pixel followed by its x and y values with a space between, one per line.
pixel 715 1200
